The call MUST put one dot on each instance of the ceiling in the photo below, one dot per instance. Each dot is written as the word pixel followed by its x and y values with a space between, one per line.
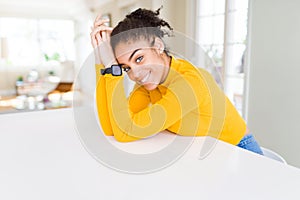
pixel 47 8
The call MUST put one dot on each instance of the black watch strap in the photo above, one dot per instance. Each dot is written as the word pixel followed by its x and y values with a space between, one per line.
pixel 115 70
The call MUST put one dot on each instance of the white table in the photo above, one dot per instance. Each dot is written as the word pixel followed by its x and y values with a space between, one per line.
pixel 42 158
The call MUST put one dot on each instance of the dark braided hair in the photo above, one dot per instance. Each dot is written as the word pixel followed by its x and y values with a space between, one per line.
pixel 140 24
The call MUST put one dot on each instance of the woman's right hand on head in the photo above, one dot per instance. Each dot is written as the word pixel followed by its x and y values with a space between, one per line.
pixel 100 39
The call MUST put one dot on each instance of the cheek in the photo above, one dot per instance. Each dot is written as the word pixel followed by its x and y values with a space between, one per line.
pixel 158 70
pixel 131 77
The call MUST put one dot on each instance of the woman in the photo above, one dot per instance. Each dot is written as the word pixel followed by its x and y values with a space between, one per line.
pixel 170 94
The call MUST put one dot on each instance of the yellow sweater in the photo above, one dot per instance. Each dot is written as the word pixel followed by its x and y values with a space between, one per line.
pixel 188 103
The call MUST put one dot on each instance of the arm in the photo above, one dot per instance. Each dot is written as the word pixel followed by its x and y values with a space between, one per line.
pixel 127 125
pixel 138 100
pixel 100 35
pixel 104 57
pixel 101 101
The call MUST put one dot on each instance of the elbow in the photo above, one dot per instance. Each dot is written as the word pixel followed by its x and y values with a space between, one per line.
pixel 120 139
pixel 125 138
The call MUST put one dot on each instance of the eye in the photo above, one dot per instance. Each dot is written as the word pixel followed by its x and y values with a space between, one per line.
pixel 126 68
pixel 139 59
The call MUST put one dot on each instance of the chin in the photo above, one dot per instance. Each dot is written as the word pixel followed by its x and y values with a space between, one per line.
pixel 150 86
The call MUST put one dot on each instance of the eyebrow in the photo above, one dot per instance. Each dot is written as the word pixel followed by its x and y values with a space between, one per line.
pixel 133 54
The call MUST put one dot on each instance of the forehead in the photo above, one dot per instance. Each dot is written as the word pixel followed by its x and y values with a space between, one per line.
pixel 123 50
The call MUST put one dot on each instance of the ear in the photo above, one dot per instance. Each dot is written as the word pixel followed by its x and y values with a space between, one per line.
pixel 159 45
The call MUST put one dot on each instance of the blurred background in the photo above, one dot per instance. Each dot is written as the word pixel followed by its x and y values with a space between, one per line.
pixel 44 44
pixel 253 44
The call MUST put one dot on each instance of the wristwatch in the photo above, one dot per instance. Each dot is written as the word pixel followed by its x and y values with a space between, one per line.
pixel 115 70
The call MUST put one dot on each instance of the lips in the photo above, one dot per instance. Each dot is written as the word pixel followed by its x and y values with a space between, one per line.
pixel 145 79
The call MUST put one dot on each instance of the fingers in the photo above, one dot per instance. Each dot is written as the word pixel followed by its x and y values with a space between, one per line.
pixel 101 29
pixel 100 22
pixel 106 36
pixel 98 17
pixel 100 39
pixel 100 32
pixel 99 35
pixel 94 42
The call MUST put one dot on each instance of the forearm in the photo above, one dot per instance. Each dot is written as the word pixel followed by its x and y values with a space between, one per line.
pixel 120 134
pixel 101 101
pixel 152 119
pixel 129 123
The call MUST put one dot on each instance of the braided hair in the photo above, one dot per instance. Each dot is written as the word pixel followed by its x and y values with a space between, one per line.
pixel 140 24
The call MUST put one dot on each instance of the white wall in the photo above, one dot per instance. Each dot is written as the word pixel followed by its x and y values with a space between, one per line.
pixel 274 68
pixel 174 11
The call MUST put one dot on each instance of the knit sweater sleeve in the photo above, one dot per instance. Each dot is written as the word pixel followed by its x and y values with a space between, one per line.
pixel 129 122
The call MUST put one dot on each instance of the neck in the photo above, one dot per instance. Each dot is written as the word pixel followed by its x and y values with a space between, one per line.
pixel 167 63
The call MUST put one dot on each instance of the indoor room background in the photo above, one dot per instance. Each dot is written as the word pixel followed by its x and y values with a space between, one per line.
pixel 252 43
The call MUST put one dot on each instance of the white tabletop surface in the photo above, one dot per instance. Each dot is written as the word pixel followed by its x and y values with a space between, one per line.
pixel 42 157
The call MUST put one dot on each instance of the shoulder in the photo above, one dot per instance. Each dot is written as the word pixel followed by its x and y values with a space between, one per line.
pixel 186 68
pixel 182 66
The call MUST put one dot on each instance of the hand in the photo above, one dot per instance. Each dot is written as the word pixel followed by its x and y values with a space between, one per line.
pixel 100 39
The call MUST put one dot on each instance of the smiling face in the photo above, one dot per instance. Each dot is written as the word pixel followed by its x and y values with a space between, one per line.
pixel 146 62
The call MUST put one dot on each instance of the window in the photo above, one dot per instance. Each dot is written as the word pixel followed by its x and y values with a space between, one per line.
pixel 34 41
pixel 222 31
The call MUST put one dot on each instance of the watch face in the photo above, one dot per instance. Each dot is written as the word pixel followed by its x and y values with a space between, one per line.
pixel 116 70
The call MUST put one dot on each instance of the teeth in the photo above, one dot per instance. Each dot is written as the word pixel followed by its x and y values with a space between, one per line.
pixel 145 78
